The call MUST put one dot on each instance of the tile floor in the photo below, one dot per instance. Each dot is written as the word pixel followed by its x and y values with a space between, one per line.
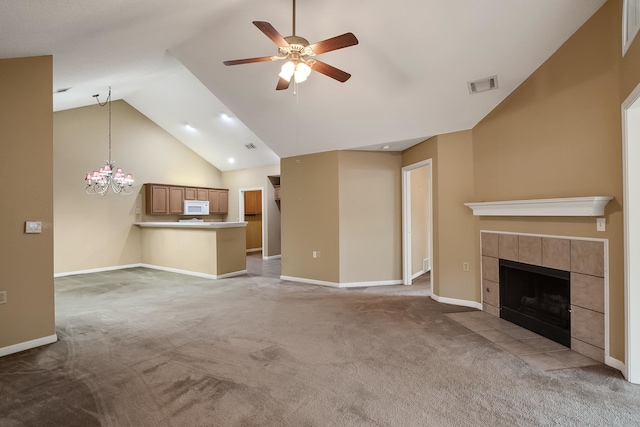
pixel 537 351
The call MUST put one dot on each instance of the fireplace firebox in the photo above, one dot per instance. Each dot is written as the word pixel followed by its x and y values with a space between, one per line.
pixel 536 298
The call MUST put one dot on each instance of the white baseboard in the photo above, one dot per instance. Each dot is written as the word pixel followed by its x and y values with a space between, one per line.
pixel 27 345
pixel 97 270
pixel 254 250
pixel 342 284
pixel 232 274
pixel 460 302
pixel 267 258
pixel 616 364
pixel 195 273
pixel 418 274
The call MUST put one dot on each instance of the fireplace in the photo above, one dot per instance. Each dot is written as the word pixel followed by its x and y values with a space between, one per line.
pixel 536 298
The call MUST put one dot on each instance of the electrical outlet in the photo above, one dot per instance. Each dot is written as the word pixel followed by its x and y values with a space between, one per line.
pixel 465 266
pixel 601 224
pixel 137 211
pixel 316 254
pixel 89 248
pixel 3 297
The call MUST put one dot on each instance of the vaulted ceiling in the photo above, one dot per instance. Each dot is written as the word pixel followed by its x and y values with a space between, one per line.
pixel 409 71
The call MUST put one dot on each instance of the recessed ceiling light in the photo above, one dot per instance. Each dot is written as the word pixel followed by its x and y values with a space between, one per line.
pixel 385 147
pixel 63 90
pixel 232 160
pixel 225 116
pixel 190 128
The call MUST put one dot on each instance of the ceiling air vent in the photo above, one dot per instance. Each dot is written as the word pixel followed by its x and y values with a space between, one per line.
pixel 483 85
pixel 250 147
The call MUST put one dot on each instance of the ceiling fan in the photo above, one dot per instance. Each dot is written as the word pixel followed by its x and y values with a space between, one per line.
pixel 298 53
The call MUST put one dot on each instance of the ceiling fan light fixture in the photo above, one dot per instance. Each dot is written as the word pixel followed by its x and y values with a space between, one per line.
pixel 287 70
pixel 302 72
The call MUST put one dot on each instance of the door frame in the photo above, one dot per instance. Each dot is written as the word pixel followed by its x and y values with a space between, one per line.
pixel 631 208
pixel 406 221
pixel 265 215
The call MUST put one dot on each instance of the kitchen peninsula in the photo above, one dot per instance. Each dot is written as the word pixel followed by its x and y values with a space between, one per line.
pixel 207 249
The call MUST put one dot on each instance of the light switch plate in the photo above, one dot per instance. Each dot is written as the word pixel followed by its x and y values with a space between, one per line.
pixel 3 297
pixel 31 227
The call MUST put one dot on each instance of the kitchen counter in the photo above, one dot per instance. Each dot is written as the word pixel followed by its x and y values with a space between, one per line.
pixel 214 250
pixel 175 224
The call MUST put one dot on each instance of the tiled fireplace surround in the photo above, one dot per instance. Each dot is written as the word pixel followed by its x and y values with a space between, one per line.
pixel 584 259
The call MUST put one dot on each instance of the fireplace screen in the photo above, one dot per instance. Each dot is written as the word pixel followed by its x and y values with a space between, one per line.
pixel 536 298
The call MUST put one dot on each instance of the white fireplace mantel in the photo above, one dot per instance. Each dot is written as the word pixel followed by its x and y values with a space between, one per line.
pixel 571 206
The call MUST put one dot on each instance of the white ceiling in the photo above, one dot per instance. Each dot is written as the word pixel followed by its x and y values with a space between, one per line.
pixel 409 72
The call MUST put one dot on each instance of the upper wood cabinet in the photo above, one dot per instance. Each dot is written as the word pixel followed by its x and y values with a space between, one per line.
pixel 252 202
pixel 163 199
pixel 218 201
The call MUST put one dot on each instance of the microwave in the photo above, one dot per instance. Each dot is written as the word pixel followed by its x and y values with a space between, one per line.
pixel 196 207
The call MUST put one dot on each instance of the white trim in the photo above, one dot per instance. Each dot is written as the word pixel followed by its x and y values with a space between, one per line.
pixel 406 220
pixel 97 270
pixel 552 236
pixel 626 42
pixel 28 345
pixel 616 364
pixel 232 274
pixel 343 284
pixel 267 258
pixel 254 250
pixel 418 274
pixel 195 273
pixel 568 206
pixel 454 301
pixel 631 245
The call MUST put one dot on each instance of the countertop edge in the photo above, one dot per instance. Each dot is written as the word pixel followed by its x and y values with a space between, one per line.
pixel 203 225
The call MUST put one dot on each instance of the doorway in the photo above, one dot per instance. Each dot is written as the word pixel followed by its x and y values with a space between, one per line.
pixel 417 222
pixel 631 188
pixel 251 210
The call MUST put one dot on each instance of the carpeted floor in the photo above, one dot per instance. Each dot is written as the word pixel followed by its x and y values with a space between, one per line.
pixel 146 348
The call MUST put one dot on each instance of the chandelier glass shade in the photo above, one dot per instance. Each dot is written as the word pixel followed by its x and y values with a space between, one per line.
pixel 108 176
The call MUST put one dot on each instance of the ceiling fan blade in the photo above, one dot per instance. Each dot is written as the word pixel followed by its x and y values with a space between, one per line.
pixel 334 43
pixel 271 32
pixel 330 71
pixel 282 84
pixel 250 60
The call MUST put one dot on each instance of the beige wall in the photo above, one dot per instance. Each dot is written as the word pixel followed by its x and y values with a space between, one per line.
pixel 96 231
pixel 26 191
pixel 420 217
pixel 256 178
pixel 370 219
pixel 559 135
pixel 454 240
pixel 310 216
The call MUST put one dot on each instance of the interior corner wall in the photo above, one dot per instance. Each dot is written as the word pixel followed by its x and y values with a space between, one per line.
pixel 559 135
pixel 256 178
pixel 370 217
pixel 454 237
pixel 93 231
pixel 26 170
pixel 310 216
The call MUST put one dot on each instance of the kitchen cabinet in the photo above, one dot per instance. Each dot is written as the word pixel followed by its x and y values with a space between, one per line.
pixel 252 203
pixel 218 201
pixel 161 199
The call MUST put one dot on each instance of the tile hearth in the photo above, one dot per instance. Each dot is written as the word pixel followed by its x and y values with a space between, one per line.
pixel 537 351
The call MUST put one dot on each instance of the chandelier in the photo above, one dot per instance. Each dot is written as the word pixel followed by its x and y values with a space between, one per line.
pixel 108 176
